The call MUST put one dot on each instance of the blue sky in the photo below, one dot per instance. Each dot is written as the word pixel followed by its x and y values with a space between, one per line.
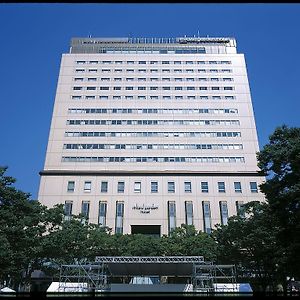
pixel 33 37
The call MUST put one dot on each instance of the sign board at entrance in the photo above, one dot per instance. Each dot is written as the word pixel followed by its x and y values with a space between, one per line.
pixel 145 209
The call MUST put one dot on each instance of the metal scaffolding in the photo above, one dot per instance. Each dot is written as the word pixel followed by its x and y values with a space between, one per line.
pixel 96 276
pixel 88 277
pixel 205 275
pixel 149 259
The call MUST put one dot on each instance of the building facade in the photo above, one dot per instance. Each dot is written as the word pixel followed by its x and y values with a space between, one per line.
pixel 148 134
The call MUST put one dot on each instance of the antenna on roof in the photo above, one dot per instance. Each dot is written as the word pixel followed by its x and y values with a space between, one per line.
pixel 198 33
pixel 90 35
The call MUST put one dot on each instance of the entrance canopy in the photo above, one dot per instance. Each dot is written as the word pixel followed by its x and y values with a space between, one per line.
pixel 150 265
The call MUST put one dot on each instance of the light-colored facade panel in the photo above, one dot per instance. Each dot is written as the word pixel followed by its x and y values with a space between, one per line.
pixel 156 123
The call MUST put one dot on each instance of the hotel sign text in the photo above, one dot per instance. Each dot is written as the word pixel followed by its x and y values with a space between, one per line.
pixel 145 209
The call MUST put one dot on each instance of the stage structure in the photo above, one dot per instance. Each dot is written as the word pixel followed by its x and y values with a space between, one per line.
pixel 199 276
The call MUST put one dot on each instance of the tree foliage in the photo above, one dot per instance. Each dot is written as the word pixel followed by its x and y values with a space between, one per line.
pixel 250 243
pixel 280 161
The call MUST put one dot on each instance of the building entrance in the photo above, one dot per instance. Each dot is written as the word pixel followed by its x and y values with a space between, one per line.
pixel 153 230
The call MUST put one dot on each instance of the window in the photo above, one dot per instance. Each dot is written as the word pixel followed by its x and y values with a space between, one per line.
pixel 240 211
pixel 237 187
pixel 104 186
pixel 189 213
pixel 224 212
pixel 187 187
pixel 204 186
pixel 137 186
pixel 154 187
pixel 85 209
pixel 87 186
pixel 77 88
pixel 253 187
pixel 171 187
pixel 119 217
pixel 206 216
pixel 102 213
pixel 71 186
pixel 171 215
pixel 221 187
pixel 121 186
pixel 68 210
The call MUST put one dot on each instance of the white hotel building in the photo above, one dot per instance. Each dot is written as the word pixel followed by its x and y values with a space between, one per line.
pixel 151 133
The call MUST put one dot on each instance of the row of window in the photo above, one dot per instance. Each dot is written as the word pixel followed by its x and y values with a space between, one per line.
pixel 154 122
pixel 154 146
pixel 154 88
pixel 189 215
pixel 152 111
pixel 153 97
pixel 93 79
pixel 151 134
pixel 155 70
pixel 153 62
pixel 153 159
pixel 171 187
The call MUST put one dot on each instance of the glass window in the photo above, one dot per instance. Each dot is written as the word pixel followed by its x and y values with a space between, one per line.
pixel 119 217
pixel 68 210
pixel 206 216
pixel 87 186
pixel 171 187
pixel 154 187
pixel 204 186
pixel 102 213
pixel 189 213
pixel 121 186
pixel 221 187
pixel 85 209
pixel 171 215
pixel 187 187
pixel 253 187
pixel 237 187
pixel 71 186
pixel 240 211
pixel 104 186
pixel 137 186
pixel 224 212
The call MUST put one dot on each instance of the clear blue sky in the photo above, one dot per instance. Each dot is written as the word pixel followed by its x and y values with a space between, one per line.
pixel 33 37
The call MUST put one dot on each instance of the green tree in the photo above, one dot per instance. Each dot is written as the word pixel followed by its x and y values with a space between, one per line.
pixel 186 240
pixel 280 162
pixel 250 243
pixel 21 231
